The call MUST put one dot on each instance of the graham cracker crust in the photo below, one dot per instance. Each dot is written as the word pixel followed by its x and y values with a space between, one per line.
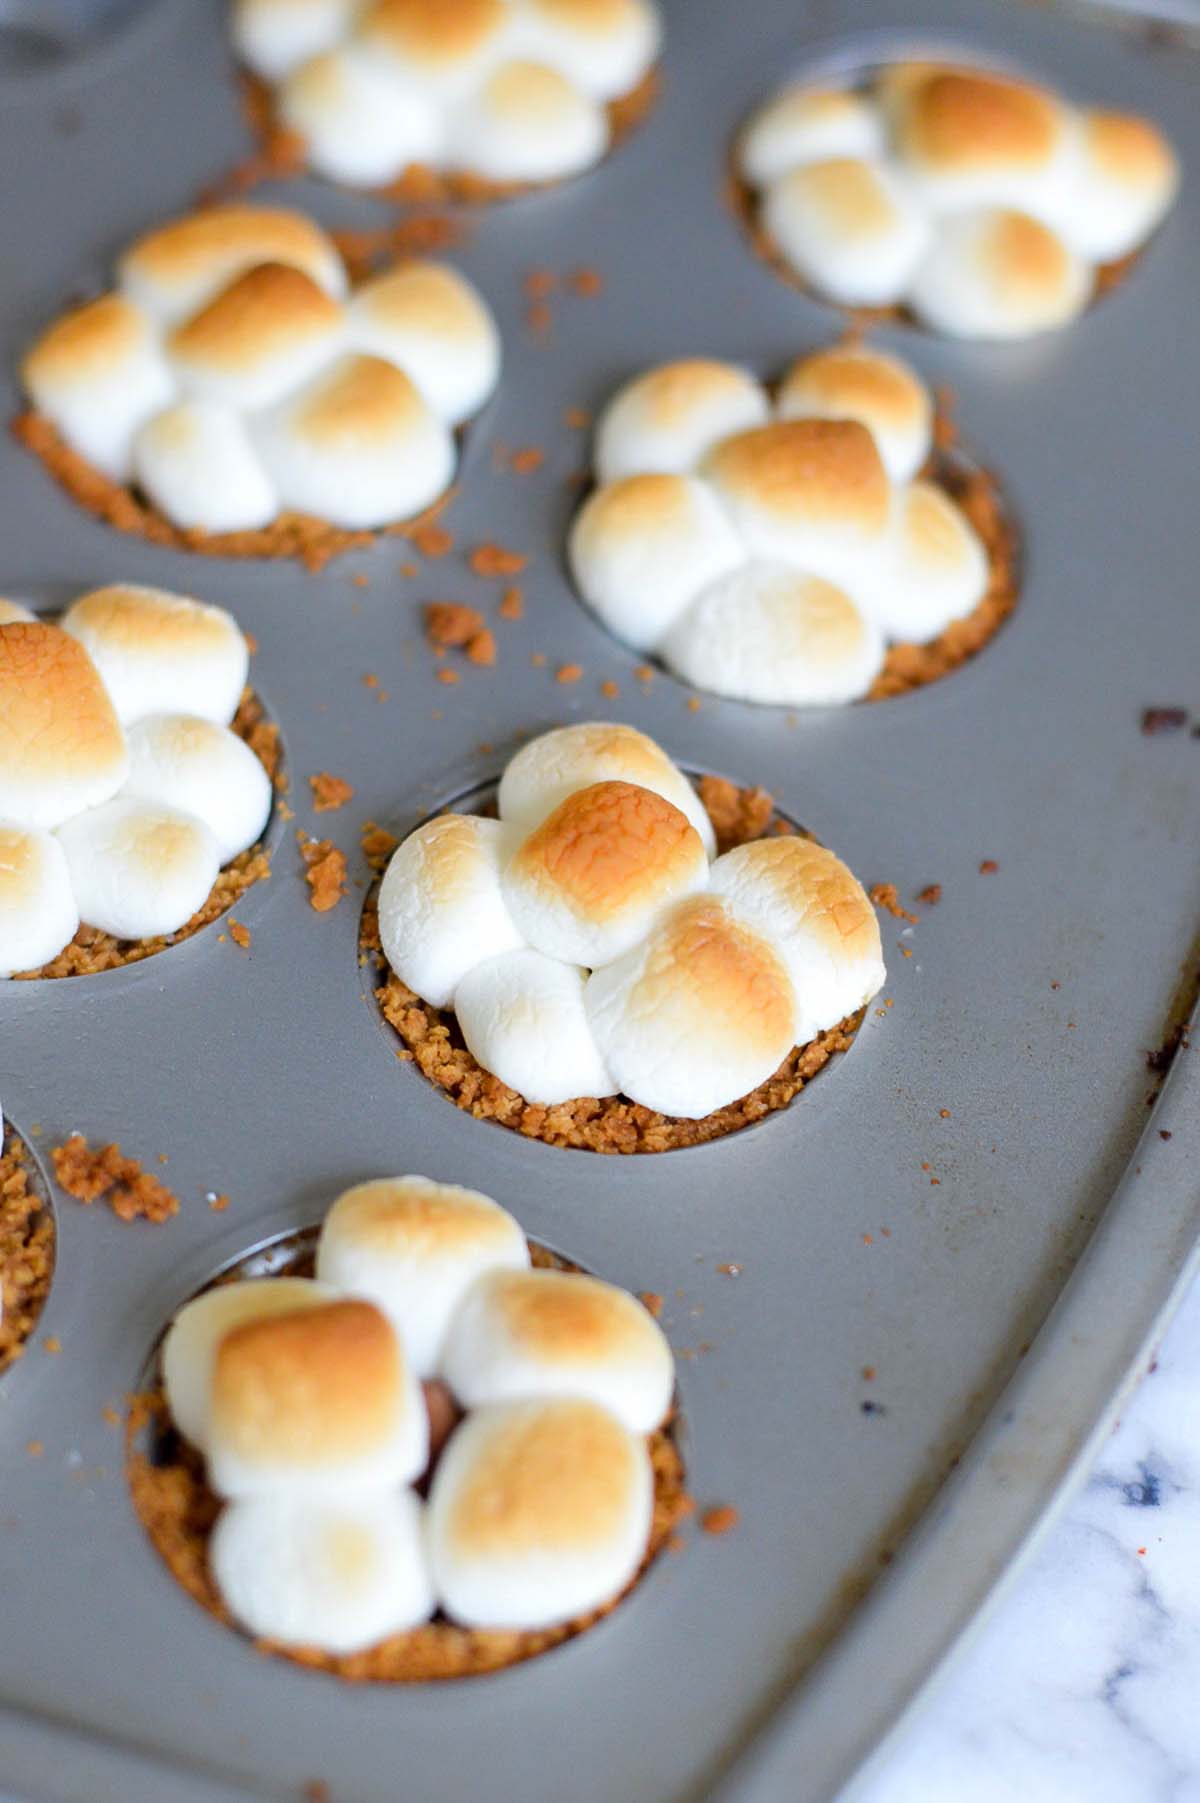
pixel 178 1511
pixel 26 1249
pixel 431 1039
pixel 92 951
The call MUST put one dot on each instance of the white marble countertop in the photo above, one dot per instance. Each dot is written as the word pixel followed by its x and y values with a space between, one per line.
pixel 1084 1686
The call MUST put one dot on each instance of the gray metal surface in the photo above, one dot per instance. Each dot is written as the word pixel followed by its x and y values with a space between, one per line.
pixel 1026 1009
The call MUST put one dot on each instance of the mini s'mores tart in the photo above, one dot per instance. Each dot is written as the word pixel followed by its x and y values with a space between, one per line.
pixel 445 1452
pixel 583 969
pixel 813 545
pixel 981 205
pixel 469 99
pixel 27 1243
pixel 232 396
pixel 136 778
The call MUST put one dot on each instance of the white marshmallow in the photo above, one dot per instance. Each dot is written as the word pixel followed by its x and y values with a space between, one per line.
pixel 431 322
pixel 196 464
pixel 999 275
pixel 665 420
pixel 98 374
pixel 553 1333
pixel 522 1017
pixel 605 50
pixel 540 777
pixel 642 548
pixel 358 446
pixel 850 227
pixel 362 123
pixel 816 917
pixel 183 761
pixel 1124 178
pixel 190 1347
pixel 539 1511
pixel 968 138
pixel 526 123
pixel 38 916
pixel 938 571
pixel 881 392
pixel 807 125
pixel 139 870
pixel 61 745
pixel 161 653
pixel 272 36
pixel 441 907
pixel 771 634
pixel 341 1575
pixel 697 1014
pixel 414 1248
pixel 263 335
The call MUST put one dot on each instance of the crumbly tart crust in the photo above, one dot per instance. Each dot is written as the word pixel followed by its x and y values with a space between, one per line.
pixel 26 1249
pixel 431 1038
pixel 307 538
pixel 91 951
pixel 178 1511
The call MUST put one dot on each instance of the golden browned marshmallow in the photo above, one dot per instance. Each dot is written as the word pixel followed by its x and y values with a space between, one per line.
pixel 262 335
pixel 539 1511
pixel 98 373
pixel 997 274
pixel 1126 176
pixel 816 916
pixel 61 744
pixel 939 570
pixel 161 653
pixel 807 125
pixel 967 138
pixel 604 46
pixel 850 381
pixel 315 1403
pixel 438 43
pixel 592 879
pixel 38 915
pixel 526 123
pixel 554 765
pixel 665 420
pixel 554 1333
pixel 426 319
pixel 699 1013
pixel 850 226
pixel 178 267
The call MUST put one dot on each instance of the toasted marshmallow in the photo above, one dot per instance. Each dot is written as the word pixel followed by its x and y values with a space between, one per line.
pixel 161 653
pixel 441 49
pixel 814 914
pixel 441 907
pixel 807 125
pixel 341 1574
pixel 414 1247
pixel 197 465
pixel 592 879
pixel 643 547
pixel 138 869
pixel 358 446
pixel 965 138
pixel 178 268
pixel 697 1014
pixel 604 46
pixel 850 227
pixel 999 275
pixel 557 764
pixel 882 393
pixel 526 123
pixel 186 762
pixel 13 611
pixel 772 634
pixel 939 570
pixel 361 122
pixel 61 744
pixel 190 1348
pixel 1125 177
pixel 428 320
pixel 664 421
pixel 522 1017
pixel 552 1333
pixel 257 339
pixel 98 373
pixel 272 36
pixel 539 1511
pixel 38 915
pixel 812 492
pixel 318 1403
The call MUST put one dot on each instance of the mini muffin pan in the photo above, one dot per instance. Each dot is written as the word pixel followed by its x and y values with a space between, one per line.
pixel 952 1252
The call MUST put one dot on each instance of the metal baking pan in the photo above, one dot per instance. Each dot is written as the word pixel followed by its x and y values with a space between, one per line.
pixel 1007 1305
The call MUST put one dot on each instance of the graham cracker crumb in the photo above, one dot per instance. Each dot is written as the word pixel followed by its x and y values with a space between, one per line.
pixel 989 867
pixel 89 1174
pixel 448 676
pixel 537 659
pixel 512 604
pixel 720 1520
pixel 451 622
pixel 645 673
pixel 539 318
pixel 525 461
pixel 931 895
pixel 737 815
pixel 219 1204
pixel 239 934
pixel 885 895
pixel 538 283
pixel 567 673
pixel 490 559
pixel 610 689
pixel 586 282
pixel 26 1250
pixel 35 1448
pixel 578 419
pixel 377 845
pixel 433 541
pixel 329 792
pixel 52 1343
pixel 482 648
pixel 652 1302
pixel 325 873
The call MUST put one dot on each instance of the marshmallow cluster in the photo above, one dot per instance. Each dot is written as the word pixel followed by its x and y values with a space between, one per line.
pixel 510 91
pixel 304 1396
pixel 232 377
pixel 122 789
pixel 769 550
pixel 984 203
pixel 590 945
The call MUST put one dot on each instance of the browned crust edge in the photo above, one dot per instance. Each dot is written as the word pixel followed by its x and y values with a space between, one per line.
pixel 27 1243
